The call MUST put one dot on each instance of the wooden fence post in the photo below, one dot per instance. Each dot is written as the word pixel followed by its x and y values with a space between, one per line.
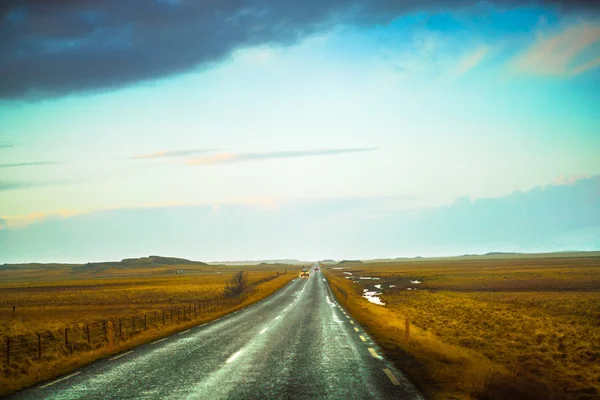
pixel 407 328
pixel 8 350
pixel 14 309
pixel 87 329
pixel 110 334
pixel 163 316
pixel 39 346
pixel 133 319
pixel 67 338
pixel 105 325
pixel 120 330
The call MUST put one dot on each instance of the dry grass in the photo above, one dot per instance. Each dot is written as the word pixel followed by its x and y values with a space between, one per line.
pixel 487 329
pixel 77 300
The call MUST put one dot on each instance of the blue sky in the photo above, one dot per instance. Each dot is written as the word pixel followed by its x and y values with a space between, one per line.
pixel 272 132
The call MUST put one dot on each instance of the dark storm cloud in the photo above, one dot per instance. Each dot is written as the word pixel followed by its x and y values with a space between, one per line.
pixel 53 48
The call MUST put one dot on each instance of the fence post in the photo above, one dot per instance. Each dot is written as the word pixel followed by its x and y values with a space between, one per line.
pixel 8 350
pixel 154 313
pixel 407 328
pixel 67 338
pixel 14 309
pixel 145 322
pixel 110 334
pixel 120 331
pixel 39 346
pixel 133 319
pixel 163 316
pixel 87 330
pixel 183 312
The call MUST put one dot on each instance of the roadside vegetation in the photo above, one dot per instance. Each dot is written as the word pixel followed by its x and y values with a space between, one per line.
pixel 484 329
pixel 133 306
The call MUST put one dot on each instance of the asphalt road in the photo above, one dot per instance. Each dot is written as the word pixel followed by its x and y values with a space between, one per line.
pixel 297 344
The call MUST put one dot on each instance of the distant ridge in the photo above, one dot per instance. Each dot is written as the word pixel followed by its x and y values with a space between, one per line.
pixel 350 262
pixel 143 262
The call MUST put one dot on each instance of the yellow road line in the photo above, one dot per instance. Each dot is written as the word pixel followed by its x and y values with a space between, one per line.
pixel 362 338
pixel 373 352
pixel 392 377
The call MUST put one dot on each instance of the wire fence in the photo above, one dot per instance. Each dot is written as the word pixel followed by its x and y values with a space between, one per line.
pixel 52 344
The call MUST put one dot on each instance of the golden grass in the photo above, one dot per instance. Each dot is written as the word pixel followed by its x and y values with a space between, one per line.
pixel 75 300
pixel 486 329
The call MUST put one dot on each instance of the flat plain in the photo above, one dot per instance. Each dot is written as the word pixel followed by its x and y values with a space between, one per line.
pixel 486 328
pixel 143 300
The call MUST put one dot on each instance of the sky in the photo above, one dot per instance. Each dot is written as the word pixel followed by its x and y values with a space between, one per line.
pixel 259 130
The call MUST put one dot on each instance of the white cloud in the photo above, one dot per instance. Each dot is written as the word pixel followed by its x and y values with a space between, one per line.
pixel 554 55
pixel 470 61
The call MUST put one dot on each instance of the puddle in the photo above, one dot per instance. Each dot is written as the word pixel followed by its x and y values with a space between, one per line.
pixel 373 297
pixel 365 277
pixel 378 286
pixel 348 273
pixel 415 282
pixel 392 286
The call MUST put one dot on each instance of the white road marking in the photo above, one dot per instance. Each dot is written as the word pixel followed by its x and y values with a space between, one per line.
pixel 362 338
pixel 392 377
pixel 158 341
pixel 263 331
pixel 59 380
pixel 121 355
pixel 352 322
pixel 285 310
pixel 181 333
pixel 277 317
pixel 373 352
pixel 347 316
pixel 355 329
pixel 234 356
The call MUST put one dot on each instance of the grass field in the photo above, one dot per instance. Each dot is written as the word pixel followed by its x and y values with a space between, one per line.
pixel 48 299
pixel 499 328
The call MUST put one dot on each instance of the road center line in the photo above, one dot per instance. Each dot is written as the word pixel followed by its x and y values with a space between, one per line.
pixel 234 356
pixel 59 380
pixel 352 322
pixel 181 333
pixel 392 377
pixel 160 340
pixel 355 329
pixel 121 355
pixel 362 338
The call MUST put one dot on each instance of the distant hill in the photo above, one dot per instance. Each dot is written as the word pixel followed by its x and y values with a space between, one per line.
pixel 143 262
pixel 350 262
pixel 259 262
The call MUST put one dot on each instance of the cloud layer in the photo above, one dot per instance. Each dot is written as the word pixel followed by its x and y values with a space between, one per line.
pixel 30 164
pixel 225 158
pixel 551 218
pixel 558 54
pixel 57 48
pixel 171 154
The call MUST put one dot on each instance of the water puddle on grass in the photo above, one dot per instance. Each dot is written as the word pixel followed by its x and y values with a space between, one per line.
pixel 348 273
pixel 373 297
